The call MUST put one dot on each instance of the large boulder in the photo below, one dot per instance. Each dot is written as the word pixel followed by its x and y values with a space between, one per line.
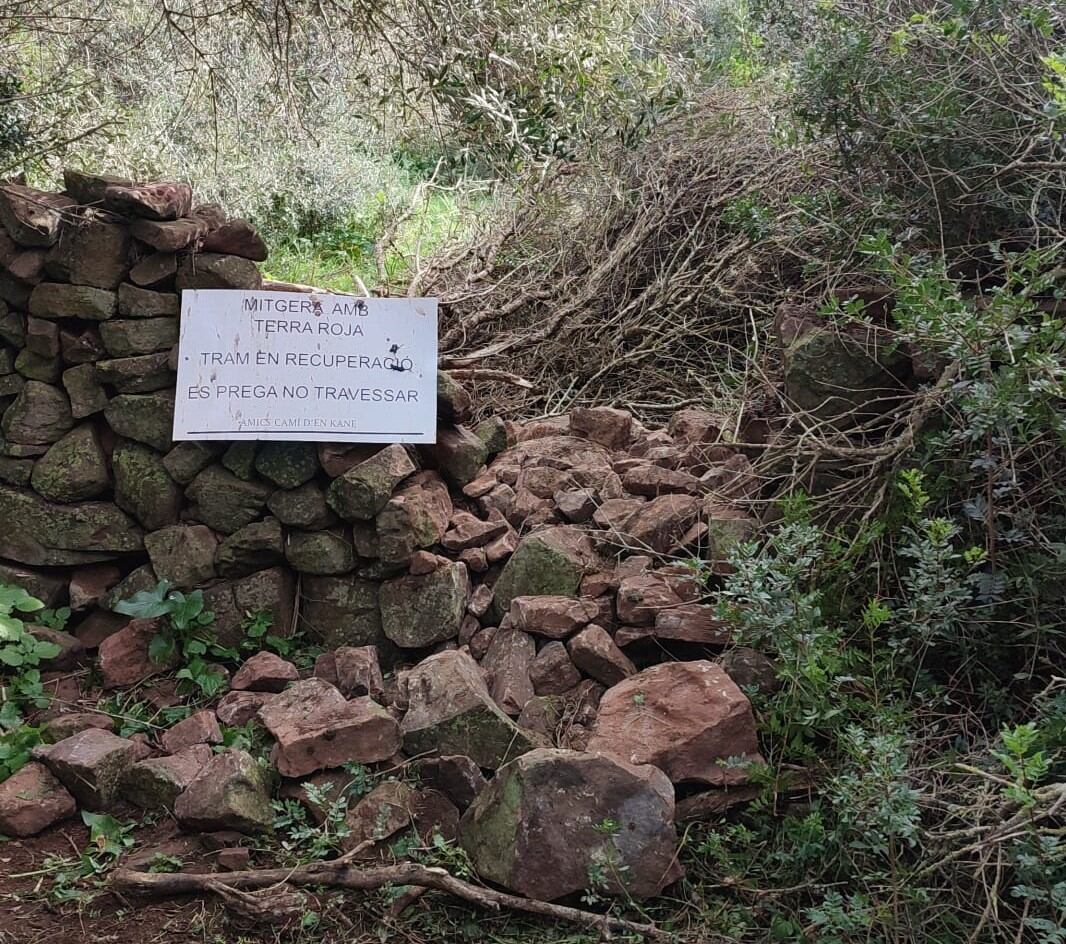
pixel 156 782
pixel 40 533
pixel 555 822
pixel 123 657
pixel 424 609
pixel 686 718
pixel 316 728
pixel 232 791
pixel 59 300
pixel 91 252
pixel 546 563
pixel 451 711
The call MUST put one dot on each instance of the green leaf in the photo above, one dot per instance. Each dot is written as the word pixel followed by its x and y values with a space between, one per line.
pixel 161 649
pixel 146 604
pixel 10 628
pixel 11 656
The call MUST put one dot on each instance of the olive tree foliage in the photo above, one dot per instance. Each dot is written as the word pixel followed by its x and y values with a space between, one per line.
pixel 333 97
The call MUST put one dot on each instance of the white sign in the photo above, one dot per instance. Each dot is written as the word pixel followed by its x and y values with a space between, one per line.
pixel 294 366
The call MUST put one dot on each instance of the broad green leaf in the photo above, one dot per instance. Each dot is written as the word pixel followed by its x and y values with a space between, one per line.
pixel 161 649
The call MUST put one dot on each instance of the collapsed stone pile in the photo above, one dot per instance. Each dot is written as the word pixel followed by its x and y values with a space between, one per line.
pixel 500 613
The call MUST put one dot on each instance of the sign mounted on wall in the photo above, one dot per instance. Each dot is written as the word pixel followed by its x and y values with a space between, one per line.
pixel 294 366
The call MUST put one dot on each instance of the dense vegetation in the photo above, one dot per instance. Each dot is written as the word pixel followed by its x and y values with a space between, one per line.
pixel 613 200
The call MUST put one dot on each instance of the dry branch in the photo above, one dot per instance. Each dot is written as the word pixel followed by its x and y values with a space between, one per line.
pixel 341 875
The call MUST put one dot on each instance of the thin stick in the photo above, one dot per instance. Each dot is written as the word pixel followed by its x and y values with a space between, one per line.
pixel 328 873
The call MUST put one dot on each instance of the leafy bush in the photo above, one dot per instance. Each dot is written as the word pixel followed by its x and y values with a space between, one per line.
pixel 20 654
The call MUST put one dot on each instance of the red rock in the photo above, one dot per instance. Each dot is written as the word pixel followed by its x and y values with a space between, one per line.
pixel 476 559
pixel 231 792
pixel 156 782
pixel 555 617
pixel 480 486
pixel 157 201
pixel 60 727
pixel 90 585
pixel 595 653
pixel 382 813
pixel 91 765
pixel 507 661
pixel 468 629
pixel 604 425
pixel 338 458
pixel 481 640
pixel 480 600
pixel 358 671
pixel 641 598
pixel 422 563
pixel 153 269
pixel 264 672
pixel 712 805
pixel 171 235
pixel 236 858
pixel 31 800
pixel 659 525
pixel 502 548
pixel 200 728
pixel 238 708
pixel 123 658
pixel 415 516
pixel 695 426
pixel 652 481
pixel 537 828
pixel 683 717
pixel 552 426
pixel 542 714
pixel 71 649
pixel 612 515
pixel 469 531
pixel 315 728
pixel 236 238
pixel 552 672
pixel 577 504
pixel 31 217
pixel 751 669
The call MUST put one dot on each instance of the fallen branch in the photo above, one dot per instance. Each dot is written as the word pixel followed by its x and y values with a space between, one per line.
pixel 487 373
pixel 345 876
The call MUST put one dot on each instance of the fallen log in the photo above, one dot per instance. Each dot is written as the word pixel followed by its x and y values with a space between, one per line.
pixel 341 875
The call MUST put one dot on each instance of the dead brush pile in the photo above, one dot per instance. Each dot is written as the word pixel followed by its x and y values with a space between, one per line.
pixel 646 280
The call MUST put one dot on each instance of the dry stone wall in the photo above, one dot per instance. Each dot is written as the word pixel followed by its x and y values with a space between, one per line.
pixel 477 601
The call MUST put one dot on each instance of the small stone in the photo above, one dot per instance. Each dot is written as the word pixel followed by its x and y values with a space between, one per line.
pixel 239 458
pixel 555 617
pixel 508 661
pixel 71 649
pixel 652 481
pixel 142 486
pixel 751 669
pixel 254 547
pixel 546 563
pixel 187 460
pixel 577 504
pixel 468 531
pixel 235 859
pixel 130 338
pixel 84 389
pixel 34 367
pixel 264 672
pixel 415 516
pixel 199 728
pixel 451 711
pixel 421 610
pixel 641 598
pixel 316 728
pixel 287 464
pixel 169 235
pixel 42 337
pixel 686 718
pixel 81 346
pixel 168 200
pixel 213 270
pixel 238 238
pixel 361 492
pixel 40 415
pixel 182 554
pixel 89 586
pixel 60 300
pixel 595 653
pixel 423 562
pixel 320 552
pixel 458 453
pixel 358 672
pixel 91 252
pixel 304 508
pixel 153 269
pixel 480 601
pixel 383 812
pixel 67 725
pixel 453 400
pixel 552 672
pixel 146 418
pixel 31 800
pixel 223 502
pixel 74 469
pixel 455 775
pixel 236 708
pixel 123 658
pixel 155 783
pixel 91 765
pixel 134 302
pixel 231 792
pixel 604 425
pixel 31 217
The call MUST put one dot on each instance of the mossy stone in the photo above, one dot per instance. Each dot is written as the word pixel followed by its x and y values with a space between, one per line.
pixel 145 417
pixel 320 552
pixel 287 464
pixel 73 469
pixel 143 487
pixel 224 502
